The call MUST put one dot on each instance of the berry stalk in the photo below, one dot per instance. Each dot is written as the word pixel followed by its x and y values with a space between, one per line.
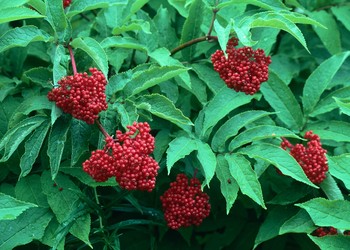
pixel 74 66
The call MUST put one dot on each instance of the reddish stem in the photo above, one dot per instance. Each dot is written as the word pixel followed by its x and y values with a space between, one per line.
pixel 102 129
pixel 74 66
pixel 194 41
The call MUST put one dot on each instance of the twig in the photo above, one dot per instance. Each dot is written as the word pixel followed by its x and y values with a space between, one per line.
pixel 74 66
pixel 191 42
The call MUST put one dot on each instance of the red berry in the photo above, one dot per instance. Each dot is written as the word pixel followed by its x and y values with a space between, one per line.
pixel 66 3
pixel 244 69
pixel 184 203
pixel 346 232
pixel 323 231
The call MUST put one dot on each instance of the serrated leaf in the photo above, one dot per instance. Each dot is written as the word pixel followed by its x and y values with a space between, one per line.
pixel 331 189
pixel 57 139
pixel 80 6
pixel 328 212
pixel 32 148
pixel 123 42
pixel 336 242
pixel 29 226
pixel 339 168
pixel 81 227
pixel 342 13
pixel 223 34
pixel 81 132
pixel 94 50
pixel 29 189
pixel 246 178
pixel 50 236
pixel 178 149
pixel 40 75
pixel 21 37
pixel 231 127
pixel 56 17
pixel 259 133
pixel 207 159
pixel 344 105
pixel 18 13
pixel 278 157
pixel 299 223
pixel 11 208
pixel 282 100
pixel 338 131
pixel 320 78
pixel 266 4
pixel 151 77
pixel 162 107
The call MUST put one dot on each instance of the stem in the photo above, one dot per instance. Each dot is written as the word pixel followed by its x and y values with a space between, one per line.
pixel 74 66
pixel 98 203
pixel 195 173
pixel 212 21
pixel 191 42
pixel 102 129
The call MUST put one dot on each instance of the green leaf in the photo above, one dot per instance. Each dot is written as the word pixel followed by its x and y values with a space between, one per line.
pixel 299 223
pixel 94 50
pixel 29 189
pixel 162 107
pixel 331 241
pixel 344 106
pixel 32 148
pixel 50 235
pixel 228 185
pixel 331 189
pixel 127 111
pixel 223 34
pixel 290 194
pixel 56 17
pixel 58 58
pixel 17 134
pixel 21 37
pixel 342 14
pixel 328 212
pixel 266 4
pixel 278 157
pixel 81 227
pixel 191 28
pixel 161 144
pixel 18 13
pixel 207 159
pixel 231 127
pixel 38 5
pixel 330 37
pixel 338 131
pixel 178 149
pixel 123 42
pixel 339 168
pixel 7 108
pixel 40 75
pixel 135 26
pixel 29 226
pixel 246 178
pixel 151 77
pixel 57 139
pixel 80 6
pixel 209 76
pixel 282 100
pixel 167 35
pixel 80 133
pixel 14 3
pixel 259 133
pixel 320 78
pixel 11 208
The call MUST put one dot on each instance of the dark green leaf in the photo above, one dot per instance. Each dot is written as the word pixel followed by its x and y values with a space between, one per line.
pixel 29 189
pixel 331 189
pixel 81 133
pixel 342 13
pixel 299 223
pixel 336 242
pixel 209 76
pixel 11 208
pixel 127 111
pixel 338 131
pixel 56 17
pixel 344 105
pixel 339 168
pixel 40 75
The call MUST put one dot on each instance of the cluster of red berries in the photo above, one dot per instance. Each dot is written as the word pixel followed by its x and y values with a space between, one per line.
pixel 184 203
pixel 81 95
pixel 244 69
pixel 127 158
pixel 311 158
pixel 323 231
pixel 66 3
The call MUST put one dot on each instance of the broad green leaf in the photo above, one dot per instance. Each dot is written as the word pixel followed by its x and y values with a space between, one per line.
pixel 266 4
pixel 151 77
pixel 231 127
pixel 122 42
pixel 57 139
pixel 207 159
pixel 32 148
pixel 150 39
pixel 330 188
pixel 14 3
pixel 127 111
pixel 56 17
pixel 320 78
pixel 80 133
pixel 58 58
pixel 80 6
pixel 228 185
pixel 81 226
pixel 17 134
pixel 278 157
pixel 223 34
pixel 290 194
pixel 328 212
pixel 11 208
pixel 299 223
pixel 17 13
pixel 167 35
pixel 270 228
pixel 331 241
pixel 38 5
pixel 338 131
pixel 132 7
pixel 162 107
pixel 21 37
pixel 221 105
pixel 330 36
pixel 178 149
pixel 181 6
pixel 266 38
pixel 94 50
pixel 135 26
pixel 7 86
pixel 29 189
pixel 282 100
pixel 339 168
pixel 117 82
pixel 161 144
pixel 7 108
pixel 191 28
pixel 344 105
pixel 40 75
pixel 209 76
pixel 50 235
pixel 246 178
pixel 29 226
pixel 259 133
pixel 300 18
pixel 342 14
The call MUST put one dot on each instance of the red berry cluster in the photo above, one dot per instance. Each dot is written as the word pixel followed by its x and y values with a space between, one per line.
pixel 323 231
pixel 81 95
pixel 244 69
pixel 66 3
pixel 127 158
pixel 184 203
pixel 311 158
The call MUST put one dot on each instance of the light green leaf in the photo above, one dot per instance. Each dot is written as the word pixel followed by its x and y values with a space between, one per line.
pixel 167 35
pixel 328 212
pixel 209 76
pixel 94 50
pixel 344 105
pixel 56 17
pixel 246 178
pixel 331 189
pixel 282 100
pixel 336 242
pixel 11 208
pixel 223 34
pixel 29 189
pixel 17 13
pixel 228 185
pixel 80 6
pixel 135 26
pixel 39 5
pixel 123 42
pixel 338 131
pixel 266 4
pixel 14 3
pixel 80 133
pixel 207 159
pixel 339 168
pixel 59 57
pixel 278 157
pixel 342 13
pixel 259 133
pixel 320 78
pixel 21 37
pixel 127 111
pixel 299 223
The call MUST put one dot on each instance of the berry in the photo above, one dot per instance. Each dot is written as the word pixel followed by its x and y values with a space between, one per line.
pixel 184 203
pixel 323 231
pixel 244 69
pixel 66 3
pixel 81 95
pixel 346 232
pixel 311 158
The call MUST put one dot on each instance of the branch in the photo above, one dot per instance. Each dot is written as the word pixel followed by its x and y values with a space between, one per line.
pixel 191 42
pixel 74 66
